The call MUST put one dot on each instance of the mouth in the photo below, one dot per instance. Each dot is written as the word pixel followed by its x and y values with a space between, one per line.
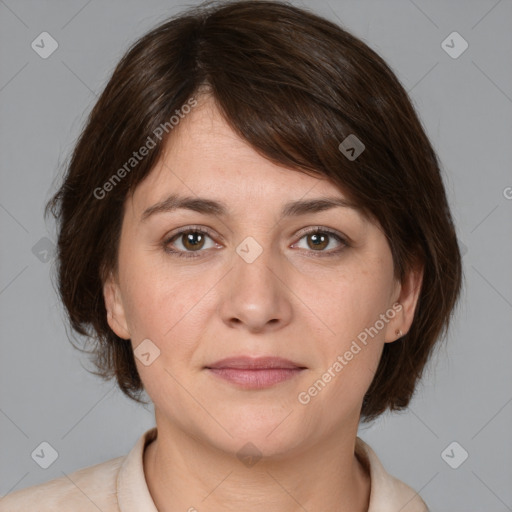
pixel 255 373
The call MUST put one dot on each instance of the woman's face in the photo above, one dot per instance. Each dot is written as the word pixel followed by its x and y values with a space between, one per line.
pixel 251 282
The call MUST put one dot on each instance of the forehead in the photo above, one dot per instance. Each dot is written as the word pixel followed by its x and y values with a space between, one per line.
pixel 205 157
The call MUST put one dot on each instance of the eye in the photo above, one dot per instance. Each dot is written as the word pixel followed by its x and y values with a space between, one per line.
pixel 192 240
pixel 318 239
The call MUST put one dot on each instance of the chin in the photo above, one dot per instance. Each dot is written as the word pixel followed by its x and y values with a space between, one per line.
pixel 271 434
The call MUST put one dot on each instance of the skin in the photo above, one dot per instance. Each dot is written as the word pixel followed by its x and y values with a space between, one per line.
pixel 290 302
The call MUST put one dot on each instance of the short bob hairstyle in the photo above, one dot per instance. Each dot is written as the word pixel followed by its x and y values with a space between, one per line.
pixel 294 86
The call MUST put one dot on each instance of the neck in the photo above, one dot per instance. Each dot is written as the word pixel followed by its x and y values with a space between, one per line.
pixel 185 474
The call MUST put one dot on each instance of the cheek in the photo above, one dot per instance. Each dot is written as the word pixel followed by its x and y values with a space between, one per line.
pixel 354 335
pixel 169 309
pixel 170 313
pixel 353 301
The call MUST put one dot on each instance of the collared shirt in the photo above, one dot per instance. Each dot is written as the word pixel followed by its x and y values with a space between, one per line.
pixel 119 485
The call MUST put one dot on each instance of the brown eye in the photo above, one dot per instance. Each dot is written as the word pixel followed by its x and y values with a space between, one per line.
pixel 318 240
pixel 188 243
pixel 192 240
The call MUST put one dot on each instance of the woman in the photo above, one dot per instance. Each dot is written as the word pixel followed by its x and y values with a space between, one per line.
pixel 254 229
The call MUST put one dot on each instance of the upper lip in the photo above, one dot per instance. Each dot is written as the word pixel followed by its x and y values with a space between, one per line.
pixel 255 363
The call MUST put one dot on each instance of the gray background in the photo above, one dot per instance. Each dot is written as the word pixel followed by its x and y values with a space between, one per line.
pixel 466 107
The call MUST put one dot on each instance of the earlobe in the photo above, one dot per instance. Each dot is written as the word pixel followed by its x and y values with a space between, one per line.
pixel 407 299
pixel 116 317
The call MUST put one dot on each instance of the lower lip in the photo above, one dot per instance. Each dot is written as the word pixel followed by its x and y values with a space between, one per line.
pixel 256 379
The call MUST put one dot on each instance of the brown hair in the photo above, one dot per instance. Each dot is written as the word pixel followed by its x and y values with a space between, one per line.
pixel 294 86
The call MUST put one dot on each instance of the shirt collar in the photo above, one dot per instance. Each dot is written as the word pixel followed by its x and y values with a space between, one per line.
pixel 132 490
pixel 387 493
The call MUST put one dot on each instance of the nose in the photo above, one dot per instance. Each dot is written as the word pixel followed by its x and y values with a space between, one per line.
pixel 256 295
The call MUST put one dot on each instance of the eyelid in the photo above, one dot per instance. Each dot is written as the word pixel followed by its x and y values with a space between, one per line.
pixel 323 229
pixel 299 234
pixel 193 228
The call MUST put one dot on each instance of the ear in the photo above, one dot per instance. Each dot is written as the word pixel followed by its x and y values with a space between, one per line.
pixel 407 298
pixel 116 317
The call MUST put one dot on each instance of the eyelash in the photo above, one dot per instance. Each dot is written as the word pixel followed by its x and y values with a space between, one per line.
pixel 205 231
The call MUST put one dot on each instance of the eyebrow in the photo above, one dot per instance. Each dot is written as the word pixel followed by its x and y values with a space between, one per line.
pixel 210 207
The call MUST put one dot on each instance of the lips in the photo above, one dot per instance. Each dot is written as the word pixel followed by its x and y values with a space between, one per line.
pixel 257 363
pixel 255 373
